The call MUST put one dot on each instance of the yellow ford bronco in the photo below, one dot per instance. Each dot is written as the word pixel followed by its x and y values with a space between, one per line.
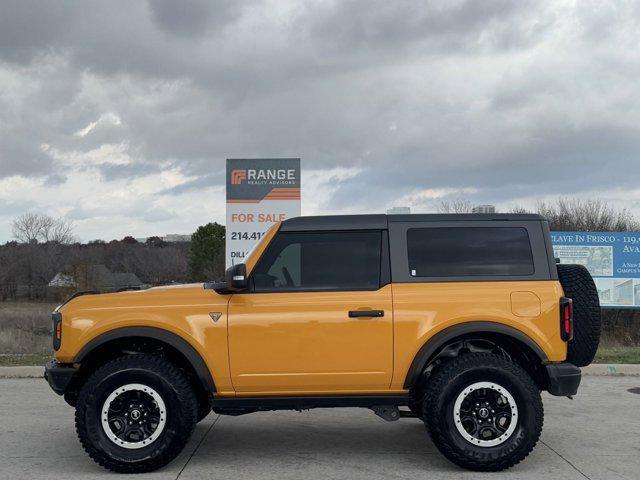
pixel 458 320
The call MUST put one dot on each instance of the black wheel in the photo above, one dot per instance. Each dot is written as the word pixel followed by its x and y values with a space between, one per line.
pixel 578 285
pixel 483 412
pixel 135 414
pixel 416 409
pixel 203 409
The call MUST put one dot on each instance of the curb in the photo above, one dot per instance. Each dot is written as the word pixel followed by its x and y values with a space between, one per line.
pixel 593 370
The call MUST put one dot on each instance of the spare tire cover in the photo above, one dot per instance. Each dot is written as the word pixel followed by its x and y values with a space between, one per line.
pixel 578 285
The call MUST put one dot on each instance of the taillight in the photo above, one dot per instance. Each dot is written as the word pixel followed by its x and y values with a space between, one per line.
pixel 566 319
pixel 56 318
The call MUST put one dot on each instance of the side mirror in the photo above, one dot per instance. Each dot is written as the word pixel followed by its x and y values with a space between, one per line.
pixel 236 277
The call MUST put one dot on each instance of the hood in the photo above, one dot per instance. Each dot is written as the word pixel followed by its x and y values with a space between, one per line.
pixel 178 294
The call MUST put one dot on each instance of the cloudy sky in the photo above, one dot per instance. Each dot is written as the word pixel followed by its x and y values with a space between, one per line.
pixel 119 115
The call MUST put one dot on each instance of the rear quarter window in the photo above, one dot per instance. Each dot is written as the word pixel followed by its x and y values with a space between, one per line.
pixel 469 251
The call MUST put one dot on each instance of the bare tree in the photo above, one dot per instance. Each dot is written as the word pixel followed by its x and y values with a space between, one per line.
pixel 27 227
pixel 594 215
pixel 458 205
pixel 37 227
pixel 61 231
pixel 566 214
pixel 519 209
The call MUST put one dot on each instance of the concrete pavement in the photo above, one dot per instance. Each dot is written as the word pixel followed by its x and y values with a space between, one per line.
pixel 594 436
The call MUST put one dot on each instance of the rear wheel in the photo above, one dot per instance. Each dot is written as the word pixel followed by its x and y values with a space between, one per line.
pixel 416 409
pixel 483 412
pixel 135 414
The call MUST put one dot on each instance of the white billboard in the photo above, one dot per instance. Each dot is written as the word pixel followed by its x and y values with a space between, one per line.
pixel 260 192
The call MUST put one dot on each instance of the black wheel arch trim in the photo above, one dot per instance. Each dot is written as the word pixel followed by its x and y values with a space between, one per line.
pixel 172 339
pixel 440 339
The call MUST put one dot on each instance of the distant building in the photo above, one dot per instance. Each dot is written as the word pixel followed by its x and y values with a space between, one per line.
pixel 484 209
pixel 399 211
pixel 62 280
pixel 94 277
pixel 168 238
pixel 176 237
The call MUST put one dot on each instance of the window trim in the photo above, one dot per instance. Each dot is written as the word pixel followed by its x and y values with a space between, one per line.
pixel 384 272
pixel 400 255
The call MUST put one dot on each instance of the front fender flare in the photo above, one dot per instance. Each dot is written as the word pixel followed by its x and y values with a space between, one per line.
pixel 175 341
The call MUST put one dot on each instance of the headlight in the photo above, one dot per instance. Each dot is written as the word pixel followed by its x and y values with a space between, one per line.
pixel 56 318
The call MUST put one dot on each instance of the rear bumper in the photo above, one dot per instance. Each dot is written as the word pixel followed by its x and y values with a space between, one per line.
pixel 564 379
pixel 59 375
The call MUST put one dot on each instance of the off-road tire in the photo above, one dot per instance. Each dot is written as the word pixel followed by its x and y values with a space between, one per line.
pixel 204 409
pixel 174 389
pixel 416 409
pixel 578 285
pixel 450 379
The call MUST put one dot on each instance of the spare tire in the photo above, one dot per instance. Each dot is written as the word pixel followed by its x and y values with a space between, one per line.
pixel 578 285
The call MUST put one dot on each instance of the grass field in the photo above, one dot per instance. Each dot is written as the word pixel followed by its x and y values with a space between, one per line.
pixel 25 327
pixel 25 337
pixel 23 359
pixel 618 355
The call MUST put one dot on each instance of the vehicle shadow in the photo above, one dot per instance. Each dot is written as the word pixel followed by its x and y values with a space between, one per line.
pixel 343 442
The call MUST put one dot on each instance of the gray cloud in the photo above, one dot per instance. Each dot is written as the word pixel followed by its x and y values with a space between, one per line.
pixel 16 208
pixel 29 28
pixel 448 27
pixel 134 209
pixel 509 99
pixel 201 182
pixel 192 18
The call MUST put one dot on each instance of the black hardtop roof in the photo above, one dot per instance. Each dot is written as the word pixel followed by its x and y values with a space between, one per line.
pixel 381 221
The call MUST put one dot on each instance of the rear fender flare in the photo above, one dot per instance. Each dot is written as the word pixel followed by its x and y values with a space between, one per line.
pixel 440 339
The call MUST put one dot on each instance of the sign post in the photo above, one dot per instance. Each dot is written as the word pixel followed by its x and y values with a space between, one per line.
pixel 260 192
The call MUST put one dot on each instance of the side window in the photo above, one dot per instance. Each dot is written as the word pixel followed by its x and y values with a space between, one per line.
pixel 286 263
pixel 469 251
pixel 320 261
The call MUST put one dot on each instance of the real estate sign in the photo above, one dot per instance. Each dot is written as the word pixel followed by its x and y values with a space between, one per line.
pixel 260 192
pixel 612 258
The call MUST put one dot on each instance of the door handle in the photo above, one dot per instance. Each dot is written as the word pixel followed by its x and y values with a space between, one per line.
pixel 366 313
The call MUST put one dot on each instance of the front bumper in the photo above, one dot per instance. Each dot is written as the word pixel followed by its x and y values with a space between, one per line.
pixel 59 375
pixel 564 379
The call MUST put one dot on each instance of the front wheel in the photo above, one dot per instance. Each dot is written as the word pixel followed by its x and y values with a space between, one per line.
pixel 136 413
pixel 483 412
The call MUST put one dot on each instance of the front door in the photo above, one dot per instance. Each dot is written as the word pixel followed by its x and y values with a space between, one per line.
pixel 316 318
